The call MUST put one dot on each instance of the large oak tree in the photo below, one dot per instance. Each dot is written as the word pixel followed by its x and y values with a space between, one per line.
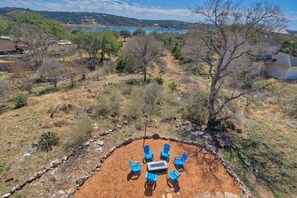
pixel 228 47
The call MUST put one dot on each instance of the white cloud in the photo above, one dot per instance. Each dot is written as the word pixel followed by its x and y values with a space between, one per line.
pixel 116 7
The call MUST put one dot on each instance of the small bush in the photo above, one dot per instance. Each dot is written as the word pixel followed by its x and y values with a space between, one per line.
pixel 176 52
pixel 159 80
pixel 79 132
pixel 238 130
pixel 108 104
pixel 66 107
pixel 221 127
pixel 114 102
pixel 148 81
pixel 102 108
pixel 47 141
pixel 227 124
pixel 151 98
pixel 4 88
pixel 172 86
pixel 20 99
pixel 109 67
pixel 196 111
pixel 139 124
pixel 230 125
pixel 132 82
pixel 120 64
pixel 133 109
pixel 126 90
pixel 171 106
pixel 292 107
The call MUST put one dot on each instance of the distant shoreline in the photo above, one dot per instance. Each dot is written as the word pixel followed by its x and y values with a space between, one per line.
pixel 104 26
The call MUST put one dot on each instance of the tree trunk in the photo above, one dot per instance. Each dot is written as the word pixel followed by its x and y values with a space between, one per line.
pixel 55 84
pixel 83 76
pixel 212 117
pixel 101 57
pixel 71 82
pixel 144 74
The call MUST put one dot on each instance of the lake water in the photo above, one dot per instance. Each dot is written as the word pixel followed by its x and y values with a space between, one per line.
pixel 130 29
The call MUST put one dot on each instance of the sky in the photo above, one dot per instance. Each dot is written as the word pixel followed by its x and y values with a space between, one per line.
pixel 141 9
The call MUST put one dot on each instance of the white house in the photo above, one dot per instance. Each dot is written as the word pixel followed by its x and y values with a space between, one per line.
pixel 282 66
pixel 6 44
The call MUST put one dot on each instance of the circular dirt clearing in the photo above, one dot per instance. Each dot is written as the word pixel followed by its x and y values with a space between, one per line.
pixel 202 174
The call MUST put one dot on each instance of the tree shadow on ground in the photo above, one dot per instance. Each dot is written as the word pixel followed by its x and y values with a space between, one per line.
pixel 245 154
pixel 208 160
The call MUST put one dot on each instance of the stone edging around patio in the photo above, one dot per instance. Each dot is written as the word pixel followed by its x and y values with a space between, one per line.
pixel 52 165
pixel 79 182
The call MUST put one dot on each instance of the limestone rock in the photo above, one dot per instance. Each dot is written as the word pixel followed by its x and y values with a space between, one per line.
pixel 6 195
pixel 71 191
pixel 55 163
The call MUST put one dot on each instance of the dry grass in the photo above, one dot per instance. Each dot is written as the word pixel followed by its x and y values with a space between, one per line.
pixel 22 127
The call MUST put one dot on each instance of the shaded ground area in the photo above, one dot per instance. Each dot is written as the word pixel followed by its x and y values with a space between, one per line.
pixel 202 174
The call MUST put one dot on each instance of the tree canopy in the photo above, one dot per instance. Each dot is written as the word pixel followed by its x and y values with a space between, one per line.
pixel 125 34
pixel 139 32
pixel 52 27
pixel 97 43
pixel 142 52
pixel 229 49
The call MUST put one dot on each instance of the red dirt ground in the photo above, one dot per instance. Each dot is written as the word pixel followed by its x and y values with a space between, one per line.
pixel 202 174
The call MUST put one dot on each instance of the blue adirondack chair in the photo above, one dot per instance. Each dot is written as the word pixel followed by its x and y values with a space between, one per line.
pixel 135 167
pixel 180 160
pixel 151 178
pixel 174 175
pixel 147 153
pixel 165 152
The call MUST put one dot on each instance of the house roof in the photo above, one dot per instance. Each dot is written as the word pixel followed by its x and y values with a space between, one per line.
pixel 285 59
pixel 6 37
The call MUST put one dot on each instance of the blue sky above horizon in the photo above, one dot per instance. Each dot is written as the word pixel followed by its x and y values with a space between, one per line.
pixel 141 9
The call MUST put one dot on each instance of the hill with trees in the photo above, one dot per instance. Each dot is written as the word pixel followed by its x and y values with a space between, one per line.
pixel 102 19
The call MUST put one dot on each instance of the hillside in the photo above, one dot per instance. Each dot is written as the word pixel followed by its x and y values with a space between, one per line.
pixel 102 19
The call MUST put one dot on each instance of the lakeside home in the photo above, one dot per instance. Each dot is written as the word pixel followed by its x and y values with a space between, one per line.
pixel 283 66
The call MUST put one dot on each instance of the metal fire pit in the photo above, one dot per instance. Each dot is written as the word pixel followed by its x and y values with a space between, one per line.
pixel 157 166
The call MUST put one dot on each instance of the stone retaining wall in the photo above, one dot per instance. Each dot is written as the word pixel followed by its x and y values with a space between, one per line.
pixel 52 165
pixel 80 181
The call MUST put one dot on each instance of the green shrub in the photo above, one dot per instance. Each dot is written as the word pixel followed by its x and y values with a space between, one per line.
pixel 20 99
pixel 47 141
pixel 80 132
pixel 221 127
pixel 66 107
pixel 148 81
pixel 172 86
pixel 197 111
pixel 176 52
pixel 230 125
pixel 120 64
pixel 238 130
pixel 132 82
pixel 159 80
pixel 224 126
